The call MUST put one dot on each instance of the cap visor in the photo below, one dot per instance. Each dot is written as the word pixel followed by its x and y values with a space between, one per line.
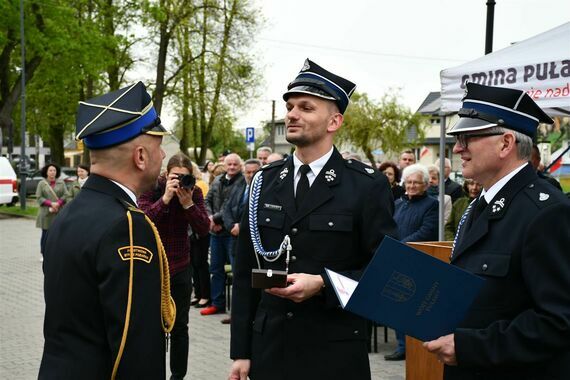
pixel 157 130
pixel 466 124
pixel 308 90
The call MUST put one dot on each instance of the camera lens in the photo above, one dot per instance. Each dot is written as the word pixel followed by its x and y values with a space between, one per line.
pixel 187 181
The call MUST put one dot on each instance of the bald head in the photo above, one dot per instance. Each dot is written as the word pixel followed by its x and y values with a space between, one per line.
pixel 232 162
pixel 135 164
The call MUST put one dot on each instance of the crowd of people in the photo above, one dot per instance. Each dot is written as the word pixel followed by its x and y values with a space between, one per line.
pixel 160 243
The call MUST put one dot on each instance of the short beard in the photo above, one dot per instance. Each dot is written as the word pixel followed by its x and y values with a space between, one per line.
pixel 300 142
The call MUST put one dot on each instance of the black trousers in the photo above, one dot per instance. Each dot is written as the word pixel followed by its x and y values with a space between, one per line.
pixel 200 268
pixel 181 290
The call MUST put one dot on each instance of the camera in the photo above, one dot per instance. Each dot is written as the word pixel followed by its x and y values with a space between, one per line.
pixel 187 181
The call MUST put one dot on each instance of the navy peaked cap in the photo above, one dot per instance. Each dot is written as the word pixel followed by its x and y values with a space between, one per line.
pixel 117 117
pixel 316 81
pixel 486 106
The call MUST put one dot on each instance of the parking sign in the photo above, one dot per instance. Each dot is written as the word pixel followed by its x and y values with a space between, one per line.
pixel 249 135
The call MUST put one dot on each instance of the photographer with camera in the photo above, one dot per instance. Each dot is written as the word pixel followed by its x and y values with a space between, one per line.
pixel 173 205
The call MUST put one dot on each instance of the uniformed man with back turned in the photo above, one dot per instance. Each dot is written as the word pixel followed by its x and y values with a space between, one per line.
pixel 309 211
pixel 107 291
pixel 516 236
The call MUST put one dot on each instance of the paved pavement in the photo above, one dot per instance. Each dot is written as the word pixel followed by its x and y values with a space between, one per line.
pixel 22 309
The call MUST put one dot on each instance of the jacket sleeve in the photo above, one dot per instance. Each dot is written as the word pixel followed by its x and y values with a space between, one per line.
pixel 543 329
pixel 154 208
pixel 145 338
pixel 245 299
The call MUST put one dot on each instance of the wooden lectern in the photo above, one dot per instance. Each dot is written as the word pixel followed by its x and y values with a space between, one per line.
pixel 420 364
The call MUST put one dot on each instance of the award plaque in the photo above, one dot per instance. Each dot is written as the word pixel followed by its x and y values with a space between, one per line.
pixel 268 278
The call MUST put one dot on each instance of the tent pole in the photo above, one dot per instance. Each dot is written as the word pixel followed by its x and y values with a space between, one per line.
pixel 490 22
pixel 441 230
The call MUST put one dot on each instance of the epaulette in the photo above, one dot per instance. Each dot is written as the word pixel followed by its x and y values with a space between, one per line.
pixel 542 193
pixel 274 164
pixel 129 206
pixel 361 167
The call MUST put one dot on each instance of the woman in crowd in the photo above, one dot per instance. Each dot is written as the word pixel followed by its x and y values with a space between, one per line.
pixel 82 174
pixel 51 194
pixel 416 216
pixel 433 191
pixel 207 171
pixel 472 189
pixel 218 169
pixel 174 208
pixel 199 246
pixel 392 172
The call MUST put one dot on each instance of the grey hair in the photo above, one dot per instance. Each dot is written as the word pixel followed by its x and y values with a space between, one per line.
pixel 524 146
pixel 413 169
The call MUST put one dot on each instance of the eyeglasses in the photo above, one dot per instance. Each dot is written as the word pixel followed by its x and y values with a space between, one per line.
pixel 413 183
pixel 463 139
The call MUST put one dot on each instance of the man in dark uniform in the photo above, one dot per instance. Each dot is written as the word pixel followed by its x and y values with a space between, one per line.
pixel 106 277
pixel 335 213
pixel 516 237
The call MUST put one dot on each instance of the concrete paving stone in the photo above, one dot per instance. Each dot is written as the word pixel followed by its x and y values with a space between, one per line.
pixel 22 310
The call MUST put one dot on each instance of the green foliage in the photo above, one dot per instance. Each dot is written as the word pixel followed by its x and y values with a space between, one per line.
pixel 369 125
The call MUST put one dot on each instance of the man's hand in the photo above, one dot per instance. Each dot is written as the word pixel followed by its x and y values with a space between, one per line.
pixel 302 286
pixel 239 369
pixel 444 348
pixel 235 230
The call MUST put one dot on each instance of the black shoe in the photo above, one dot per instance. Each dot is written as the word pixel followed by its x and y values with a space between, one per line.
pixel 194 301
pixel 226 321
pixel 395 356
pixel 202 305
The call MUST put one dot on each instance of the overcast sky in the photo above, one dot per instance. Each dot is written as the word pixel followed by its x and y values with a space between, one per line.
pixel 382 45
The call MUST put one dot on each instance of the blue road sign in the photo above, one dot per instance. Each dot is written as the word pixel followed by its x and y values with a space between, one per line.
pixel 249 135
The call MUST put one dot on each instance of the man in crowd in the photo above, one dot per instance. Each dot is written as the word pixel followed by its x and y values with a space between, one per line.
pixel 262 153
pixel 335 213
pixel 452 188
pixel 516 237
pixel 107 306
pixel 221 240
pixel 274 157
pixel 407 158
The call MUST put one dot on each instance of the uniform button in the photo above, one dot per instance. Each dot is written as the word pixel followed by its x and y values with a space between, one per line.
pixel 331 224
pixel 350 161
pixel 356 332
pixel 289 315
pixel 531 186
pixel 484 267
pixel 294 231
pixel 267 220
pixel 293 258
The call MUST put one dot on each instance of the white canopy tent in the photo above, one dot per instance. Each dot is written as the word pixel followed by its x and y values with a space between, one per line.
pixel 539 65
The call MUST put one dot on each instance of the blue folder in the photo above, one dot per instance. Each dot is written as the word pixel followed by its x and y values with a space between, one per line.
pixel 410 291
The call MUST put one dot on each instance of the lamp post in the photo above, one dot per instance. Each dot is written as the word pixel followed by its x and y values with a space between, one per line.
pixel 23 113
pixel 489 31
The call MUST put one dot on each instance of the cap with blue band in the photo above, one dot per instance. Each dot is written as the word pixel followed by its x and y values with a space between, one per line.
pixel 117 117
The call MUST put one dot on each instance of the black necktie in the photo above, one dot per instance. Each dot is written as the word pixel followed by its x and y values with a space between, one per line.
pixel 478 208
pixel 302 185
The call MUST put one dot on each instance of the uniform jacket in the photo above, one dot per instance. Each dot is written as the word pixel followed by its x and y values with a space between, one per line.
pixel 519 325
pixel 86 286
pixel 43 193
pixel 345 215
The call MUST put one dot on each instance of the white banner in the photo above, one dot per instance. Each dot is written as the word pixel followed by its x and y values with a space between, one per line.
pixel 539 65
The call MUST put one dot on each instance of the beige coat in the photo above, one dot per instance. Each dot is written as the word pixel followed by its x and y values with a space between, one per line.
pixel 43 192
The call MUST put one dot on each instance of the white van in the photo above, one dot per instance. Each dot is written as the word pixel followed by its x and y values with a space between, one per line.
pixel 8 183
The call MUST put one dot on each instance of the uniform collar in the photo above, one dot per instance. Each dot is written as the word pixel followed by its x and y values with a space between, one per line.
pixel 128 191
pixel 494 190
pixel 316 166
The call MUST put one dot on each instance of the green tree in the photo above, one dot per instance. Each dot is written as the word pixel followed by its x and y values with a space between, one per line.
pixel 212 50
pixel 369 125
